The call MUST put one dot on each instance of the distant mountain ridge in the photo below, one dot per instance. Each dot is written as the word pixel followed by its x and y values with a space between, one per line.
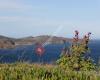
pixel 6 42
pixel 40 39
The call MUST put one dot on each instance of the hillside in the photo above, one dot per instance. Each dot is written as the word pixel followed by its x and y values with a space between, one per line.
pixel 41 39
pixel 6 42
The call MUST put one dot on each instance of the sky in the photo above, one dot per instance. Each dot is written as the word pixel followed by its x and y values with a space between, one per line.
pixel 21 18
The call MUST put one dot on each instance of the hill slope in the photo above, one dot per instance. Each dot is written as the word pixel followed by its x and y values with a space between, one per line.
pixel 6 42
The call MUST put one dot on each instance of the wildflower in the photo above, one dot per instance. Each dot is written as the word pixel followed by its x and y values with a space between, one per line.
pixel 89 35
pixel 76 32
pixel 76 38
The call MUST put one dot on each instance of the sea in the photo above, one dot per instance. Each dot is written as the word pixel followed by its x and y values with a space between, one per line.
pixel 52 52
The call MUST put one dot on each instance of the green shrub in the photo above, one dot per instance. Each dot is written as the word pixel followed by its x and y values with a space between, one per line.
pixel 74 57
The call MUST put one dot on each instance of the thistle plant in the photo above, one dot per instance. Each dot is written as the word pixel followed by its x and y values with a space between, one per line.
pixel 75 59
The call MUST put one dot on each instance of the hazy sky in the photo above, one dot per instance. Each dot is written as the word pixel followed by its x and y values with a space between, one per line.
pixel 20 18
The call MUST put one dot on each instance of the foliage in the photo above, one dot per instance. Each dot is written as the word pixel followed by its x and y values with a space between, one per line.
pixel 75 57
pixel 26 71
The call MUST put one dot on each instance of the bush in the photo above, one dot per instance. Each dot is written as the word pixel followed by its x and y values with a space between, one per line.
pixel 75 58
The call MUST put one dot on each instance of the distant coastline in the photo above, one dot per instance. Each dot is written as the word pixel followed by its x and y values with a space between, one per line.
pixel 6 42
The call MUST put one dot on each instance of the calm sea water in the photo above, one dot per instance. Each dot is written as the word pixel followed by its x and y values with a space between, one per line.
pixel 51 54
